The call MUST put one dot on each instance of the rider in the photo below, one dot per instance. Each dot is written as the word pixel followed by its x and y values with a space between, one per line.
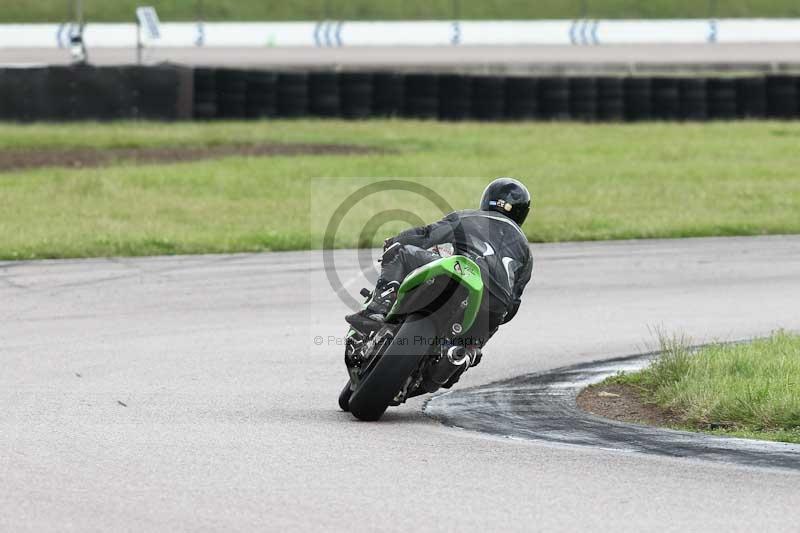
pixel 490 236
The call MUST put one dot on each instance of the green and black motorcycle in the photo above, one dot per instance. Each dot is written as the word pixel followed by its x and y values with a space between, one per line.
pixel 423 345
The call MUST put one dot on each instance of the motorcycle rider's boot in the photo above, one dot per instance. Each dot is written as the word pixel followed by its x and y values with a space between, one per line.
pixel 374 314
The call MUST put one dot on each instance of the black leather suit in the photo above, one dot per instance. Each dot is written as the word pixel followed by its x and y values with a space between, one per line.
pixel 492 240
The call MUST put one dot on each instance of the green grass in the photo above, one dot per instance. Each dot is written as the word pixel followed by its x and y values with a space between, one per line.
pixel 748 390
pixel 589 182
pixel 173 10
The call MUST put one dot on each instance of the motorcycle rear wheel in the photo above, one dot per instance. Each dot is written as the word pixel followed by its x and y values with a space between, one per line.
pixel 377 389
pixel 344 397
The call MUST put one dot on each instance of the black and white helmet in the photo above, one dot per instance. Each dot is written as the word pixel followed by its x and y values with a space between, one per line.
pixel 507 196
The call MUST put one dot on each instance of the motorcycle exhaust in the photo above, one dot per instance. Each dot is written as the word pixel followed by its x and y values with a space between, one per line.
pixel 457 359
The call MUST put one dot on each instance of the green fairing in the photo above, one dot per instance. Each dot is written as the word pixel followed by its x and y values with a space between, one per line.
pixel 470 278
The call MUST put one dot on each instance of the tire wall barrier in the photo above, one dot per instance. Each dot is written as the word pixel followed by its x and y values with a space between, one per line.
pixel 172 93
pixel 107 93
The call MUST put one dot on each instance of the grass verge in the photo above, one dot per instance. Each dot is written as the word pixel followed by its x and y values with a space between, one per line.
pixel 589 182
pixel 747 390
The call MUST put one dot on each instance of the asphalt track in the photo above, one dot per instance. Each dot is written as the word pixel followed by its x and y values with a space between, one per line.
pixel 511 59
pixel 188 393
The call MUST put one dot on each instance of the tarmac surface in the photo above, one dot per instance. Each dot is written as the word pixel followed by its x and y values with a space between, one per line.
pixel 199 392
pixel 757 57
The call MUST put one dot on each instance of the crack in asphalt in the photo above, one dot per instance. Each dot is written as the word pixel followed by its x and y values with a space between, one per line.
pixel 542 407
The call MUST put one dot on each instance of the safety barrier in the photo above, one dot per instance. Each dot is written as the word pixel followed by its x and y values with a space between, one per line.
pixel 107 93
pixel 170 92
pixel 340 33
pixel 450 96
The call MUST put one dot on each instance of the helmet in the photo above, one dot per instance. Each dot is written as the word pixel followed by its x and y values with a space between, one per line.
pixel 507 196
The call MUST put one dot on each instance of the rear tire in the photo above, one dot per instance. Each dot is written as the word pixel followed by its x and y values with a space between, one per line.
pixel 344 397
pixel 376 390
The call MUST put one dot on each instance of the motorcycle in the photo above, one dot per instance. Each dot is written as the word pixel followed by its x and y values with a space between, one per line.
pixel 423 344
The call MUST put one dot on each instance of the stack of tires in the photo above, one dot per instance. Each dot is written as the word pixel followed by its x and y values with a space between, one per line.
pixel 22 93
pixel 100 94
pixel 156 92
pixel 234 93
pixel 521 99
pixel 421 95
pixel 638 99
pixel 355 94
pixel 488 97
pixel 292 94
pixel 693 98
pixel 610 99
pixel 666 98
pixel 751 97
pixel 57 80
pixel 583 98
pixel 455 97
pixel 388 94
pixel 782 96
pixel 231 93
pixel 205 93
pixel 554 98
pixel 261 87
pixel 722 99
pixel 323 94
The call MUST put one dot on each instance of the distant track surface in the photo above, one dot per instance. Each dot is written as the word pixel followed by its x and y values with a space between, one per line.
pixel 603 58
pixel 188 392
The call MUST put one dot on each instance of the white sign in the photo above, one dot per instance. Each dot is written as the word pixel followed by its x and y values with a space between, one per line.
pixel 148 19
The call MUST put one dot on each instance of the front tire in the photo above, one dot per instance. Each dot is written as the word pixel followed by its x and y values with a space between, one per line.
pixel 376 390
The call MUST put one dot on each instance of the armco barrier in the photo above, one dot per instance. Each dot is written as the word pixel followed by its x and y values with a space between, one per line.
pixel 169 92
